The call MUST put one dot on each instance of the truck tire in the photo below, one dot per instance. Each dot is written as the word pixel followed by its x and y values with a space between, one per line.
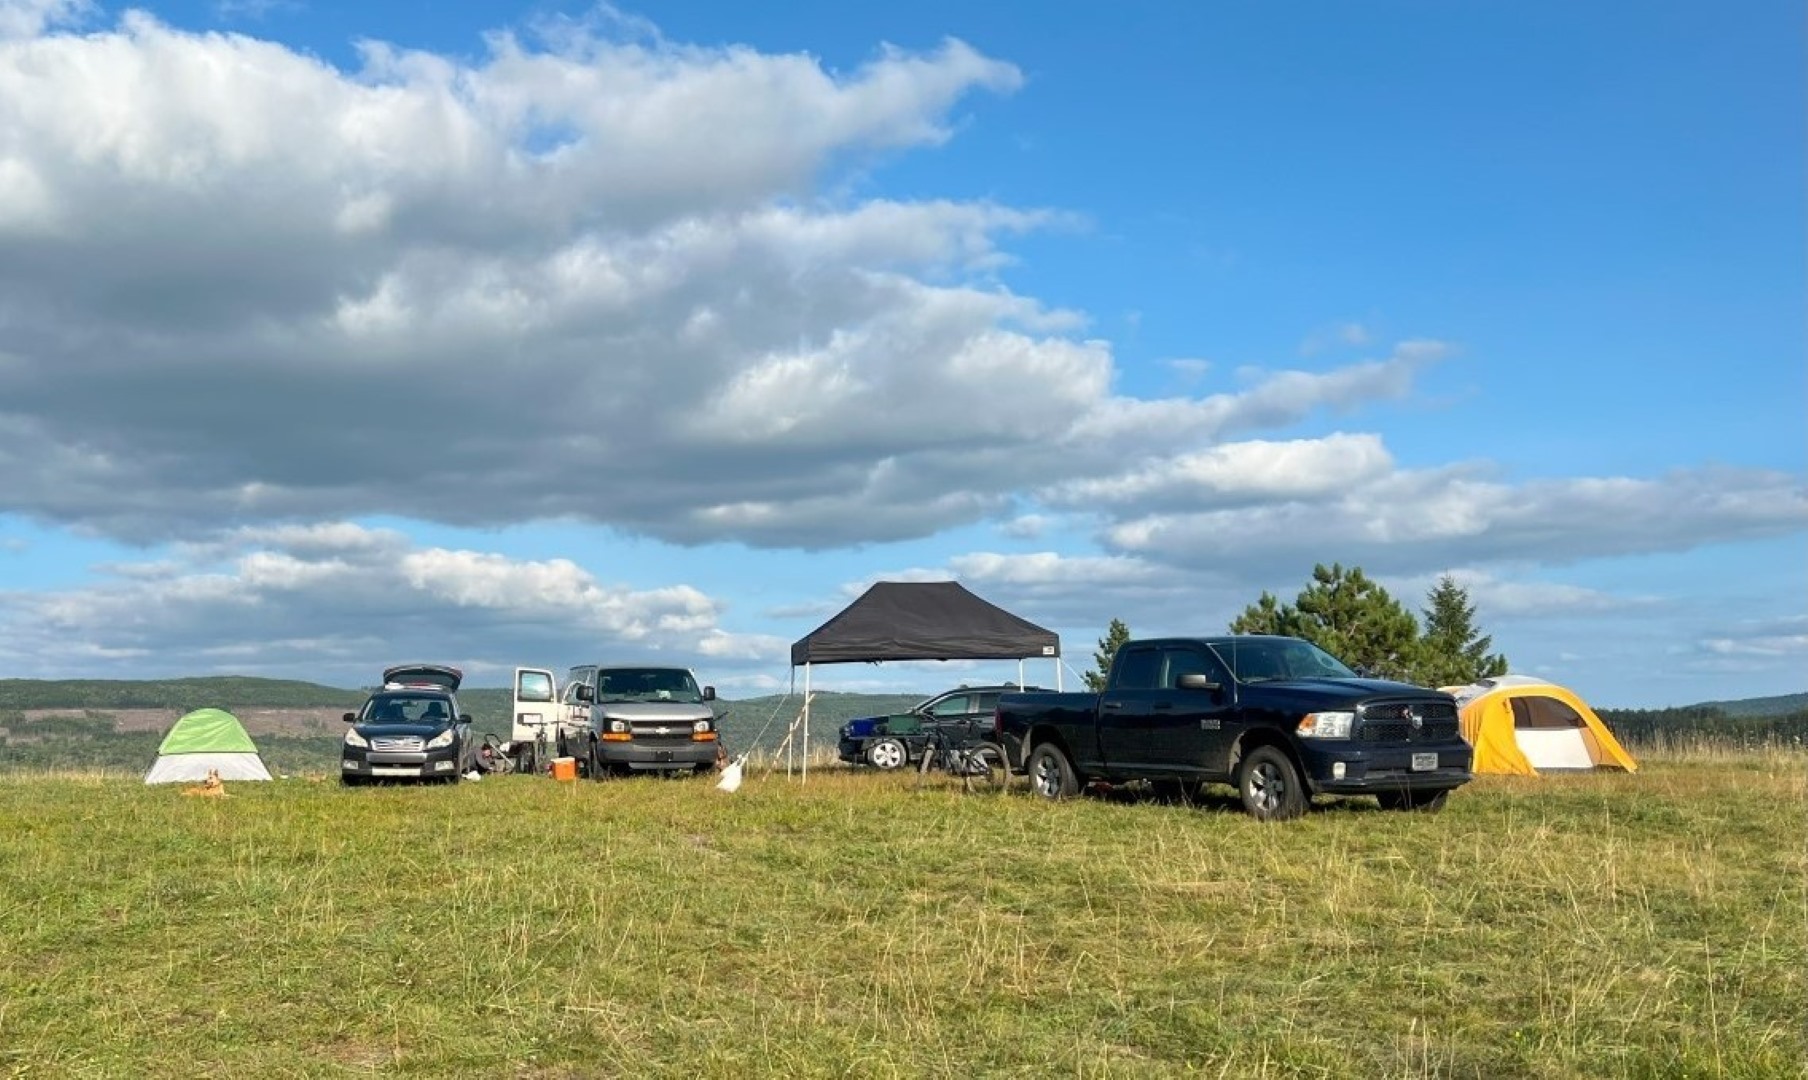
pixel 1423 802
pixel 887 754
pixel 1052 776
pixel 1270 786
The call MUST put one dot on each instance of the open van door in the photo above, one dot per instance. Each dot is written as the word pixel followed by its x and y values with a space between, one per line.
pixel 535 716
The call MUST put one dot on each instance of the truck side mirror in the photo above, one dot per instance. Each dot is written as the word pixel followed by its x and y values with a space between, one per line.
pixel 1196 681
pixel 709 693
pixel 585 692
pixel 351 717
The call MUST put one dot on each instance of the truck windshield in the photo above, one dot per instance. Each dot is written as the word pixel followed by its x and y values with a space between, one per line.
pixel 1270 660
pixel 647 684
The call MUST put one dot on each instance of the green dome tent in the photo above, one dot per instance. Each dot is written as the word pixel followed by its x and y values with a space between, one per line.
pixel 206 739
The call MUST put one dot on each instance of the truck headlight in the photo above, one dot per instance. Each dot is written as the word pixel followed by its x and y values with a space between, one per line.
pixel 701 727
pixel 444 738
pixel 617 727
pixel 1326 725
pixel 352 738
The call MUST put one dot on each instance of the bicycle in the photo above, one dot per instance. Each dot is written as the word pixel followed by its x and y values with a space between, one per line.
pixel 979 764
pixel 532 758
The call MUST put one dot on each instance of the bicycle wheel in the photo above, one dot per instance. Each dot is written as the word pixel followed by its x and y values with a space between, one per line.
pixel 983 768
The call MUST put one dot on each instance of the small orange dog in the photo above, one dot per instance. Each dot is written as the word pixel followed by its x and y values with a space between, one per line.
pixel 212 787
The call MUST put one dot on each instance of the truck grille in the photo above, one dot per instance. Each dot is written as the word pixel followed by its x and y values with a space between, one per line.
pixel 403 744
pixel 1391 722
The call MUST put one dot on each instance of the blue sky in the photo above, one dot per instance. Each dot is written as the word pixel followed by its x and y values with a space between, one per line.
pixel 334 335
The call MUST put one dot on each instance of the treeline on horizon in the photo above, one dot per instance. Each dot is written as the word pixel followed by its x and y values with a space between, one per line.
pixel 1708 723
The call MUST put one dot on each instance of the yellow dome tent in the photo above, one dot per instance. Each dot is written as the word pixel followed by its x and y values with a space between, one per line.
pixel 1522 726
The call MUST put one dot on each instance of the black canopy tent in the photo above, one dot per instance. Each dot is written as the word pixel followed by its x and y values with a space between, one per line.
pixel 927 620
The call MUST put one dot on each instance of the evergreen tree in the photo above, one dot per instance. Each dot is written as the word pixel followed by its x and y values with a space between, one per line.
pixel 1455 652
pixel 1346 614
pixel 1115 635
pixel 1267 616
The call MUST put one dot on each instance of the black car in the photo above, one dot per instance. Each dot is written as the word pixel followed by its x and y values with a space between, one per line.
pixel 411 729
pixel 892 742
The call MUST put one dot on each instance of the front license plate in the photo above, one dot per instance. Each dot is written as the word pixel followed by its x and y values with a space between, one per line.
pixel 1424 762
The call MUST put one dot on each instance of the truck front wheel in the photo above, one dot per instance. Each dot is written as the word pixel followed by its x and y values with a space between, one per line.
pixel 1270 785
pixel 1052 776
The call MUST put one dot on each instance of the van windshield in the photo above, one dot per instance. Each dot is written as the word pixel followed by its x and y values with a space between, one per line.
pixel 647 684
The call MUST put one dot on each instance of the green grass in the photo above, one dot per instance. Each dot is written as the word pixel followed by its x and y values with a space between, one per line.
pixel 865 925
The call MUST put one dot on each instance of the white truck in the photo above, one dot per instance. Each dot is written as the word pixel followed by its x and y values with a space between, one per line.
pixel 614 719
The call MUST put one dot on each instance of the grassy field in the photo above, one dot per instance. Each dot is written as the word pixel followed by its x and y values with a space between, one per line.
pixel 868 925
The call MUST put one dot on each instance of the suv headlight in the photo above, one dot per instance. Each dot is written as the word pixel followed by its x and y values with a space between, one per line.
pixel 1326 725
pixel 352 738
pixel 444 738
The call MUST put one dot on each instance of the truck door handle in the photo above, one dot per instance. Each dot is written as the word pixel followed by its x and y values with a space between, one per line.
pixel 1111 704
pixel 1162 705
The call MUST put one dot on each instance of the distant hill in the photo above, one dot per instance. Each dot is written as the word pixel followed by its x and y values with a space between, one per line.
pixel 64 722
pixel 1781 705
pixel 217 691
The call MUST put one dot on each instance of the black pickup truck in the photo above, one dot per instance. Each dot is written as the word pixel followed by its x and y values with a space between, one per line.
pixel 1275 717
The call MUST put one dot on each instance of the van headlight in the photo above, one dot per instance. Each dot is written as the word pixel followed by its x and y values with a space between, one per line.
pixel 1326 725
pixel 352 738
pixel 701 727
pixel 443 739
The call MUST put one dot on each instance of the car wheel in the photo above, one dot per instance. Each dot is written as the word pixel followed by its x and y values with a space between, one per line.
pixel 1423 802
pixel 1052 776
pixel 887 754
pixel 1270 785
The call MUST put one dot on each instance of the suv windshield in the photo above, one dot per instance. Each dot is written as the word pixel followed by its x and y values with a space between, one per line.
pixel 647 684
pixel 1275 659
pixel 407 708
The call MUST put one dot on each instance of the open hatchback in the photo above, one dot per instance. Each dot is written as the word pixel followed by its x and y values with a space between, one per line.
pixel 437 676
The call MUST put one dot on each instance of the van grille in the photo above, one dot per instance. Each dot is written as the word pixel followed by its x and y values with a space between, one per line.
pixel 659 732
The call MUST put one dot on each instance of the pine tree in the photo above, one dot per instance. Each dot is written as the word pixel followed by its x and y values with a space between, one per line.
pixel 1347 615
pixel 1455 652
pixel 1267 616
pixel 1115 635
pixel 1352 618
